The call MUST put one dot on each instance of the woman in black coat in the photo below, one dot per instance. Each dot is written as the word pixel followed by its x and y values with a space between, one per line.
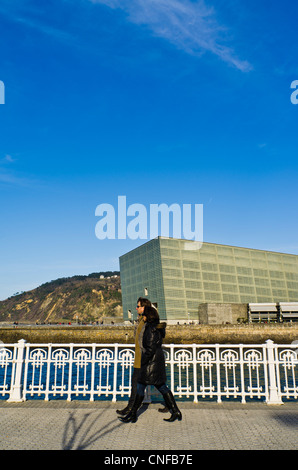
pixel 153 369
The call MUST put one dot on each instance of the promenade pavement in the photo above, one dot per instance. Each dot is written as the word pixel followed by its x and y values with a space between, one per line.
pixel 84 425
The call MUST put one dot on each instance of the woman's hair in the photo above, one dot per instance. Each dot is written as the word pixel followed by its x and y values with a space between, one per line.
pixel 151 314
pixel 143 301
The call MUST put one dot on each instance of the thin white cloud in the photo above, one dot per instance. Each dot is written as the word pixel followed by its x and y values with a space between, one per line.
pixel 190 26
pixel 9 176
pixel 22 13
pixel 8 159
pixel 10 179
pixel 58 34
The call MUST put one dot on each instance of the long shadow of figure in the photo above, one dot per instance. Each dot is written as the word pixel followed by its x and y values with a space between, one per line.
pixel 79 431
pixel 289 419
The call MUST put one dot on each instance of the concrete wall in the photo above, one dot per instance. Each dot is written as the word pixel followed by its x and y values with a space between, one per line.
pixel 182 334
pixel 219 314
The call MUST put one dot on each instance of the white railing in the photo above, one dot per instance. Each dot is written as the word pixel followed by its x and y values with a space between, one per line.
pixel 103 371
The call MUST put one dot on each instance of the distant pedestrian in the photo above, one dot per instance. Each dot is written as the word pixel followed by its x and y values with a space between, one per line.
pixel 153 371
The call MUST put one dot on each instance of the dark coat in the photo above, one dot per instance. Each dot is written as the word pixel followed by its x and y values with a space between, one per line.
pixel 153 369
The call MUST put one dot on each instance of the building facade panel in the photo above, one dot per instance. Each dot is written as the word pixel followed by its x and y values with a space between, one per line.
pixel 178 276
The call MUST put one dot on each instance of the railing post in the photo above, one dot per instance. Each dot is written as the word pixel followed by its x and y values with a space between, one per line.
pixel 116 352
pixel 218 373
pixel 16 391
pixel 274 398
pixel 195 380
pixel 172 386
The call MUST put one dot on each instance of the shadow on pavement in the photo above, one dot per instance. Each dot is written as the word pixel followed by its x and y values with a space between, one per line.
pixel 289 419
pixel 81 432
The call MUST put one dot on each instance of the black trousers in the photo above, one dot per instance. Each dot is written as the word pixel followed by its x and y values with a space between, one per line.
pixel 134 385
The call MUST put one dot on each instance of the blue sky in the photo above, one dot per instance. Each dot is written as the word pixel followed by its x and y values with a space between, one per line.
pixel 163 101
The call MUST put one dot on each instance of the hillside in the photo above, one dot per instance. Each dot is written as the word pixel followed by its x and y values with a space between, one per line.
pixel 79 299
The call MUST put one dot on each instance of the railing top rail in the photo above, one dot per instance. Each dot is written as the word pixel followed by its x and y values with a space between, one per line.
pixel 166 345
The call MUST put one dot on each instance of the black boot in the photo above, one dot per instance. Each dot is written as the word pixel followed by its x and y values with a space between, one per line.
pixel 131 417
pixel 171 404
pixel 124 411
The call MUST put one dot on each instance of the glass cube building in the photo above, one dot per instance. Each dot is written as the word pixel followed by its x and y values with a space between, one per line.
pixel 178 275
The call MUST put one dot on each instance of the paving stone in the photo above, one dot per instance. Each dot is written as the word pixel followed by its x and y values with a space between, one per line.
pixel 79 425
